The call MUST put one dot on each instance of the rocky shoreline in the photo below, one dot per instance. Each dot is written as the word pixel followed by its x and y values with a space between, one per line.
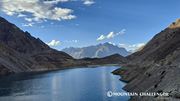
pixel 151 79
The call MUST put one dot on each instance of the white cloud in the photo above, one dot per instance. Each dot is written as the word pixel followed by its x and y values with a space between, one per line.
pixel 131 50
pixel 53 43
pixel 55 1
pixel 75 41
pixel 36 10
pixel 112 43
pixel 29 19
pixel 21 15
pixel 88 2
pixel 101 37
pixel 137 45
pixel 123 45
pixel 28 25
pixel 111 35
pixel 133 47
pixel 121 32
pixel 72 41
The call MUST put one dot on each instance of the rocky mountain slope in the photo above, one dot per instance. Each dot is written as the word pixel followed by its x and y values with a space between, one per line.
pixel 98 51
pixel 21 52
pixel 155 67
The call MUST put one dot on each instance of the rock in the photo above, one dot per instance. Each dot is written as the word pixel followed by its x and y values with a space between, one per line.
pixel 155 66
pixel 20 52
pixel 176 95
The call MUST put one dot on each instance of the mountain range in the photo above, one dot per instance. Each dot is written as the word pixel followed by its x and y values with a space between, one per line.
pixel 96 51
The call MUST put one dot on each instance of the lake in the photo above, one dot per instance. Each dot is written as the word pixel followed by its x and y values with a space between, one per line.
pixel 79 84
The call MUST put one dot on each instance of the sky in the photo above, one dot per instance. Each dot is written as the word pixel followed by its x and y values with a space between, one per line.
pixel 79 23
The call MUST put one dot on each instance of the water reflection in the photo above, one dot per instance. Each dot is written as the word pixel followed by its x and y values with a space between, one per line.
pixel 79 84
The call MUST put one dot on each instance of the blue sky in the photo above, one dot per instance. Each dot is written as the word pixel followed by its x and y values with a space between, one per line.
pixel 80 23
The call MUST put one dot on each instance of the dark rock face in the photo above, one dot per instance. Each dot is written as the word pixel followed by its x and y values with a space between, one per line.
pixel 162 49
pixel 18 40
pixel 155 66
pixel 20 52
pixel 98 51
